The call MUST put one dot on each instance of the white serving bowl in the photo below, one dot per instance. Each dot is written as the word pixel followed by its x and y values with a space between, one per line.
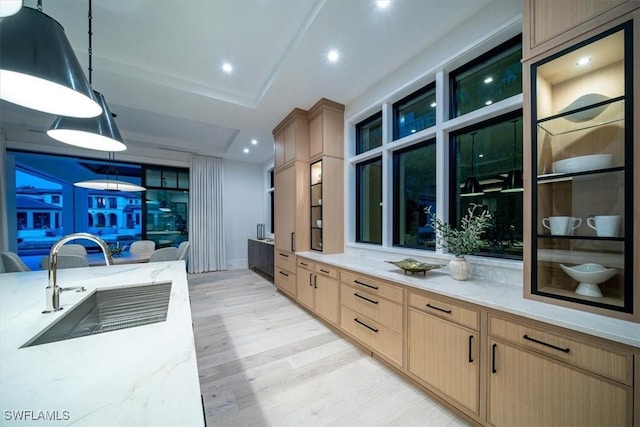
pixel 583 101
pixel 583 163
pixel 589 275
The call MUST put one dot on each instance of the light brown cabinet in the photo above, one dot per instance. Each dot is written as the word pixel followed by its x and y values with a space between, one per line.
pixel 534 382
pixel 443 354
pixel 292 138
pixel 371 312
pixel 326 129
pixel 317 288
pixel 285 271
pixel 327 205
pixel 292 208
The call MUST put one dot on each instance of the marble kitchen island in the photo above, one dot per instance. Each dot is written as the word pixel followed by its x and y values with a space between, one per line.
pixel 145 375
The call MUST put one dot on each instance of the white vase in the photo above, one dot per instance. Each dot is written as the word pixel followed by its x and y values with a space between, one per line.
pixel 459 268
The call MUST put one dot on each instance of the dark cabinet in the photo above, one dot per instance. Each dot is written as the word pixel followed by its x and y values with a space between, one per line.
pixel 260 256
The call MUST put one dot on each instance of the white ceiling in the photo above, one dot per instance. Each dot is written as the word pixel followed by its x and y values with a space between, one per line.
pixel 158 63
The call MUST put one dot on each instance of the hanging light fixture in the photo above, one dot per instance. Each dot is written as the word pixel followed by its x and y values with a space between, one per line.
pixel 109 184
pixel 96 133
pixel 9 7
pixel 513 182
pixel 38 68
pixel 472 186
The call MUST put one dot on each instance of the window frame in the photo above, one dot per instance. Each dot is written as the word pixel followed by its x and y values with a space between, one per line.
pixel 430 87
pixel 358 207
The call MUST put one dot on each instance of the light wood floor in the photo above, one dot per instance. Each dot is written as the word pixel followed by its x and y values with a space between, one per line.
pixel 264 361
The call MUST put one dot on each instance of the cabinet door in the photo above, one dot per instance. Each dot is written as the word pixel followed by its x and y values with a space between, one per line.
pixel 445 356
pixel 315 136
pixel 327 298
pixel 290 143
pixel 285 208
pixel 279 149
pixel 305 287
pixel 530 390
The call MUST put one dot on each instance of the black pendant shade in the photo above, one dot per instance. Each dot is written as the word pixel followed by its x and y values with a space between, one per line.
pixel 95 133
pixel 471 187
pixel 38 68
pixel 514 182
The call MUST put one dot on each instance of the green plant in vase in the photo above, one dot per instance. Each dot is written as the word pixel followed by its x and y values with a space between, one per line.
pixel 461 241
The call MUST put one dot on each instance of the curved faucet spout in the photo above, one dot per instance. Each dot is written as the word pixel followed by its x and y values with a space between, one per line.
pixel 53 290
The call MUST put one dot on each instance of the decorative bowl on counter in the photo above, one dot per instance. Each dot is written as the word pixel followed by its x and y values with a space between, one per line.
pixel 583 163
pixel 414 266
pixel 589 276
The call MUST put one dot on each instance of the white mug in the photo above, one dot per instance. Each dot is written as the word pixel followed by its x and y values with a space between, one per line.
pixel 561 225
pixel 319 222
pixel 605 225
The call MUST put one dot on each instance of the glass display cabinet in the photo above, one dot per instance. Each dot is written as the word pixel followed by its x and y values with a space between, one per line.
pixel 316 205
pixel 582 167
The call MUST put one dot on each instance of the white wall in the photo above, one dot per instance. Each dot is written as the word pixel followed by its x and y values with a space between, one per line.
pixel 244 208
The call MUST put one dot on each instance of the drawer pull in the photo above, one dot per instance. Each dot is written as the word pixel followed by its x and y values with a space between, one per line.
pixel 283 273
pixel 364 284
pixel 310 276
pixel 555 347
pixel 365 325
pixel 439 309
pixel 324 271
pixel 315 282
pixel 366 299
pixel 284 255
pixel 493 358
pixel 304 263
pixel 470 348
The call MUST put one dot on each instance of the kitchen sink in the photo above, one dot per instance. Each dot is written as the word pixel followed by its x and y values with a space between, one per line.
pixel 107 310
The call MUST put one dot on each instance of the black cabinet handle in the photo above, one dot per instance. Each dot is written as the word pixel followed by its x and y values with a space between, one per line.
pixel 365 325
pixel 324 271
pixel 493 358
pixel 366 299
pixel 555 347
pixel 283 273
pixel 284 255
pixel 292 248
pixel 470 348
pixel 310 276
pixel 304 263
pixel 364 284
pixel 439 309
pixel 315 282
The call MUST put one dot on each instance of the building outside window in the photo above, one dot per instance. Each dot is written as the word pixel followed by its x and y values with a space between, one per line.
pixel 415 112
pixel 369 201
pixel 414 191
pixel 369 133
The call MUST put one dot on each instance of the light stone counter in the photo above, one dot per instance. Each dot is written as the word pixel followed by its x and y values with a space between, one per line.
pixel 146 375
pixel 505 297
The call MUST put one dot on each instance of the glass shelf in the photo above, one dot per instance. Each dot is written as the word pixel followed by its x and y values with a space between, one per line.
pixel 592 116
pixel 316 205
pixel 550 178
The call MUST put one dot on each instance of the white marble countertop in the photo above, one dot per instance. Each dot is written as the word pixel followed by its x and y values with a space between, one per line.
pixel 505 297
pixel 146 375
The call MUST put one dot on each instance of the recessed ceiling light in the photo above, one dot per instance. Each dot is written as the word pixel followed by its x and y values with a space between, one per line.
pixel 245 151
pixel 433 105
pixel 333 55
pixel 227 68
pixel 489 102
pixel 583 61
pixel 382 4
pixel 254 142
pixel 488 80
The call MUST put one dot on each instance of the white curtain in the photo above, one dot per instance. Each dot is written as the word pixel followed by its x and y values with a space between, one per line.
pixel 206 225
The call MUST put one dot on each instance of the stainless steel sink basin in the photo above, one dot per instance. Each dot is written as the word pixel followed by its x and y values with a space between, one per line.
pixel 109 310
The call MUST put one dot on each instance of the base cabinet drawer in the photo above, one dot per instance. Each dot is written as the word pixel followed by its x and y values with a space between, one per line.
pixel 385 312
pixel 285 260
pixel 373 286
pixel 526 389
pixel 379 338
pixel 286 281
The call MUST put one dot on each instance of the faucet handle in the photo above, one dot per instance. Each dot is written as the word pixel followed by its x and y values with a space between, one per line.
pixel 74 288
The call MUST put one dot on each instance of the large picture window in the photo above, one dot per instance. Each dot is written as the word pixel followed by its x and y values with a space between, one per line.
pixel 369 201
pixel 414 190
pixel 490 78
pixel 369 133
pixel 415 112
pixel 490 155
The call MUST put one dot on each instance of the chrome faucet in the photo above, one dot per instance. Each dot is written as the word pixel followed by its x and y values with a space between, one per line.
pixel 53 290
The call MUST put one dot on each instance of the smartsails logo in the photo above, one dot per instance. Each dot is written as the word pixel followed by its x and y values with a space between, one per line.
pixel 31 415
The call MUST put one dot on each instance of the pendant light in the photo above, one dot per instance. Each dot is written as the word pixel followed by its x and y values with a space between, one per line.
pixel 514 178
pixel 38 68
pixel 109 184
pixel 96 133
pixel 9 7
pixel 471 185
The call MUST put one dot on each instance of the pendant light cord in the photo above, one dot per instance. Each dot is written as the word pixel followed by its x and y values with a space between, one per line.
pixel 473 157
pixel 514 142
pixel 39 5
pixel 90 17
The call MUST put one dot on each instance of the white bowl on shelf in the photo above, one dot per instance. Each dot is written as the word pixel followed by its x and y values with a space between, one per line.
pixel 583 101
pixel 589 276
pixel 583 163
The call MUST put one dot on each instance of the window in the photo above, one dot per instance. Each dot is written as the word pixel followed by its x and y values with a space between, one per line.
pixel 113 203
pixel 100 203
pixel 492 77
pixel 369 133
pixel 166 206
pixel 415 112
pixel 369 201
pixel 55 199
pixel 414 190
pixel 491 153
